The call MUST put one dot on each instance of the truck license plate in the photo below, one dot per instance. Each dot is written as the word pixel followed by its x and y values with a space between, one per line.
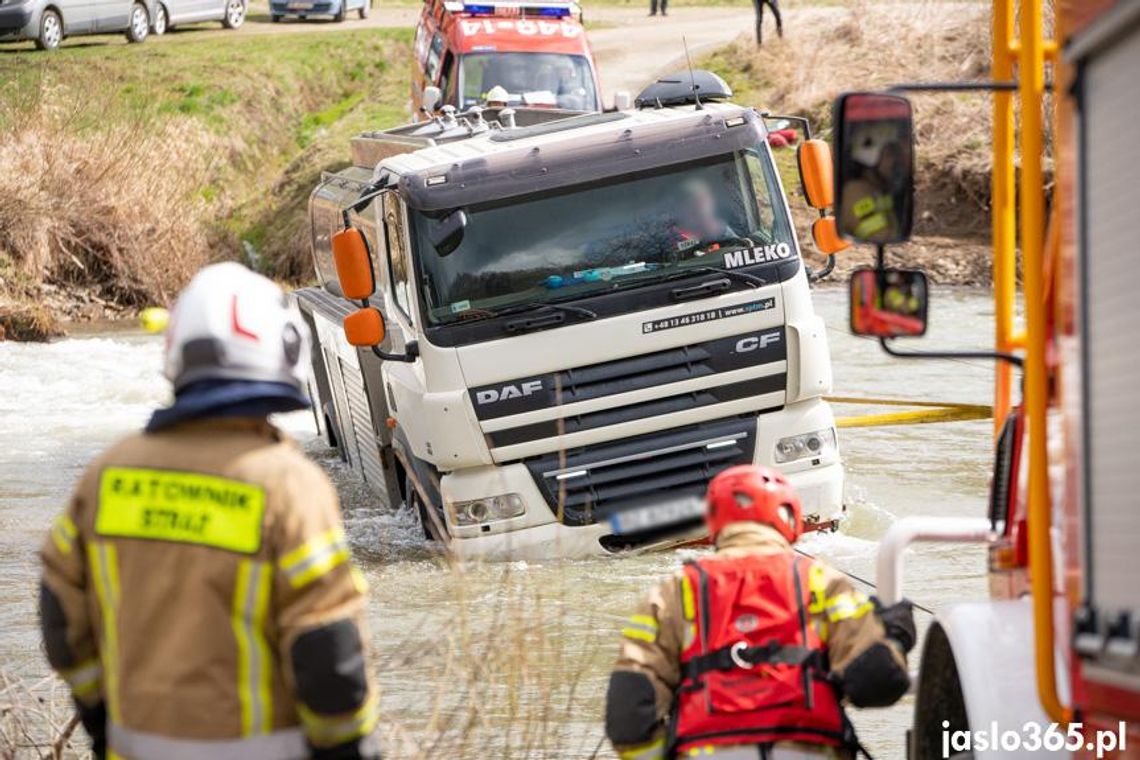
pixel 657 515
pixel 300 6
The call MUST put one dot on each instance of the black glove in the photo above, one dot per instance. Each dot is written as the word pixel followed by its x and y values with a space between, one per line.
pixel 898 619
pixel 357 749
pixel 94 720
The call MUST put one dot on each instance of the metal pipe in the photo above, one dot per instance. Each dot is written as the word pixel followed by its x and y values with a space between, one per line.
pixel 1003 219
pixel 1031 88
pixel 909 530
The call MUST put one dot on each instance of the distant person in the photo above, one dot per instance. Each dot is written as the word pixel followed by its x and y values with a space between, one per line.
pixel 198 595
pixel 653 7
pixel 750 652
pixel 775 6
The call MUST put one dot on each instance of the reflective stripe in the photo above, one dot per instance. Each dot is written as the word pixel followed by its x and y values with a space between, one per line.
pixel 652 751
pixel 84 678
pixel 642 628
pixel 871 225
pixel 138 745
pixel 63 533
pixel 105 572
pixel 688 605
pixel 848 606
pixel 329 732
pixel 251 600
pixel 315 557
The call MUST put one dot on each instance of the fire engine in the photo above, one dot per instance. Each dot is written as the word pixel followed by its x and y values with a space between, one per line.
pixel 1049 664
pixel 534 52
pixel 538 331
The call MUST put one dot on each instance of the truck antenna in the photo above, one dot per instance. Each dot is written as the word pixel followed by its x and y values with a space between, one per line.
pixel 692 77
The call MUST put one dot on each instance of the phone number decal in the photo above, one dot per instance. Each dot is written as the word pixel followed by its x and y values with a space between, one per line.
pixel 709 315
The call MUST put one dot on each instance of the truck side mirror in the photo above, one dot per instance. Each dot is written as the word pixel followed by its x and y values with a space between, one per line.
pixel 874 173
pixel 364 328
pixel 826 237
pixel 888 303
pixel 431 98
pixel 814 159
pixel 353 264
pixel 623 101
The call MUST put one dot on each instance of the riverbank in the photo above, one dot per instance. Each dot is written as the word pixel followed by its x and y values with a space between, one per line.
pixel 124 169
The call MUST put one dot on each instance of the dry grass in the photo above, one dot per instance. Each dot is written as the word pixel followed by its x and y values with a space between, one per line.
pixel 80 206
pixel 864 45
pixel 36 720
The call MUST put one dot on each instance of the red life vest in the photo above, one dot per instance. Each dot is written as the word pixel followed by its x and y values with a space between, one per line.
pixel 753 670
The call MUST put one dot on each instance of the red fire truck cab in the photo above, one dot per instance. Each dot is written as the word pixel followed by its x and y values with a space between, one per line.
pixel 535 50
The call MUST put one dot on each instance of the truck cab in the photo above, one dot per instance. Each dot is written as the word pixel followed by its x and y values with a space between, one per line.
pixel 579 319
pixel 535 51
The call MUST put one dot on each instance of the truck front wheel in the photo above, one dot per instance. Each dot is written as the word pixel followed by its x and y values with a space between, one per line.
pixel 416 505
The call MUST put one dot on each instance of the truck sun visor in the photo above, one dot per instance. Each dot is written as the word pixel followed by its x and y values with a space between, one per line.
pixel 534 169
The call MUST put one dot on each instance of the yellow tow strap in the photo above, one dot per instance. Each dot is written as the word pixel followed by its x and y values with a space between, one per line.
pixel 927 412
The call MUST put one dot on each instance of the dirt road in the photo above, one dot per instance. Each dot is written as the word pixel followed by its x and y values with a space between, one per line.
pixel 630 47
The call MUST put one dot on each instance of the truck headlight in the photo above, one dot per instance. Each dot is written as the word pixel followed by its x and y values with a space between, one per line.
pixel 490 509
pixel 821 443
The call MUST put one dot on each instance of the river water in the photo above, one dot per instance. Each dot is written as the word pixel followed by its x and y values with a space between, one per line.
pixel 505 660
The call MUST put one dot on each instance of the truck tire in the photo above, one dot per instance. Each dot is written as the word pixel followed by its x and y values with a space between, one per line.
pixel 365 9
pixel 161 21
pixel 416 504
pixel 938 699
pixel 341 12
pixel 274 18
pixel 235 14
pixel 138 24
pixel 51 30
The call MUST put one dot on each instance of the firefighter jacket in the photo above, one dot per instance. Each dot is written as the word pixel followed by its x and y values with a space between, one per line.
pixel 199 590
pixel 784 640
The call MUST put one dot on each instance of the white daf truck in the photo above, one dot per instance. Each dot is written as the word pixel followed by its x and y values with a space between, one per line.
pixel 569 322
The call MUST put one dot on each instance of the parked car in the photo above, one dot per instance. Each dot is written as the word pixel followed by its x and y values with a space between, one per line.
pixel 49 22
pixel 168 13
pixel 338 9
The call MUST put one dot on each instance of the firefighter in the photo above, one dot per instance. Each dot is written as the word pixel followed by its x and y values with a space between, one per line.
pixel 748 653
pixel 198 595
pixel 759 7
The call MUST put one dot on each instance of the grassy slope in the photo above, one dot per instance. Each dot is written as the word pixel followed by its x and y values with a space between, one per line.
pixel 125 168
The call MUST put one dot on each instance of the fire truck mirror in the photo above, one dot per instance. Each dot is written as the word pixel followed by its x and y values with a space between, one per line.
pixel 888 303
pixel 353 264
pixel 447 233
pixel 814 158
pixel 874 171
pixel 364 327
pixel 432 96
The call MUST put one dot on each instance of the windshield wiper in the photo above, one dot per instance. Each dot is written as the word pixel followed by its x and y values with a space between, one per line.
pixel 556 316
pixel 749 279
pixel 521 308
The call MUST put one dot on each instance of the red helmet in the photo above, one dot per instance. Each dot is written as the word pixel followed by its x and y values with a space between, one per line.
pixel 748 493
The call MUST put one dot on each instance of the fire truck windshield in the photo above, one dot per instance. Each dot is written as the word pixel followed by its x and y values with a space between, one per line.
pixel 532 79
pixel 727 211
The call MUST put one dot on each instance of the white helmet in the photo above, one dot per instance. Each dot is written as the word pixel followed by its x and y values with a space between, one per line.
pixel 232 324
pixel 498 94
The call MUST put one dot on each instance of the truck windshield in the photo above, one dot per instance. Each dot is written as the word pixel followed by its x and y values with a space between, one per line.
pixel 533 79
pixel 725 212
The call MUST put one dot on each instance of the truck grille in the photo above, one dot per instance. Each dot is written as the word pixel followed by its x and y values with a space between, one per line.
pixel 592 483
pixel 653 370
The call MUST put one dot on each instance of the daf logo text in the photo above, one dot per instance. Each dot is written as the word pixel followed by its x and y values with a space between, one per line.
pixel 508 392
